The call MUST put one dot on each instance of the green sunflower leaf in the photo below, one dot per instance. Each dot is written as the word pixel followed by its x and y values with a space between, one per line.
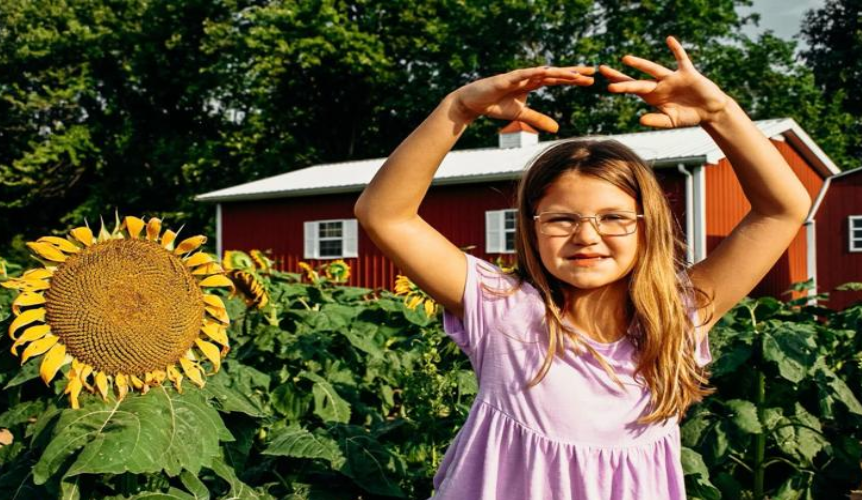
pixel 328 405
pixel 238 489
pixel 294 441
pixel 745 416
pixel 154 432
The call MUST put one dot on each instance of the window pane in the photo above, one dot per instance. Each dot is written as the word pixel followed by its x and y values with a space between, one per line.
pixel 856 223
pixel 330 248
pixel 857 233
pixel 509 221
pixel 510 241
pixel 330 229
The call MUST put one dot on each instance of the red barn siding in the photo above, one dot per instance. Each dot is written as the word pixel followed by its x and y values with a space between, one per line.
pixel 457 211
pixel 726 205
pixel 835 263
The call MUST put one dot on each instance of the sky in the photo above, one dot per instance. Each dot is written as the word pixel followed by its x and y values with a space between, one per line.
pixel 781 16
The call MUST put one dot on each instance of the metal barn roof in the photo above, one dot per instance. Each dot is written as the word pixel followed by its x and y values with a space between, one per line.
pixel 664 147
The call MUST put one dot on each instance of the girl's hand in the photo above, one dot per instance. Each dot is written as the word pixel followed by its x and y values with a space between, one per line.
pixel 683 97
pixel 505 96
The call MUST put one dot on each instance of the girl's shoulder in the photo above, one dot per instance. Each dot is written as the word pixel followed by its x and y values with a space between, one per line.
pixel 494 283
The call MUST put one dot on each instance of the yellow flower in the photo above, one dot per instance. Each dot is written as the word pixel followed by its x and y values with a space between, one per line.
pixel 414 296
pixel 262 262
pixel 310 273
pixel 337 271
pixel 123 307
pixel 251 286
pixel 236 259
pixel 240 268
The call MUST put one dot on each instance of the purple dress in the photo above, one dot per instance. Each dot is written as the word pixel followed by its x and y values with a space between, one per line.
pixel 573 436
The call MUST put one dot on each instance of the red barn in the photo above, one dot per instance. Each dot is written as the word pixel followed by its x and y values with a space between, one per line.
pixel 307 214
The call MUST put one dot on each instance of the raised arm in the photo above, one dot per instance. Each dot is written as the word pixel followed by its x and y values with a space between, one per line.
pixel 779 201
pixel 388 208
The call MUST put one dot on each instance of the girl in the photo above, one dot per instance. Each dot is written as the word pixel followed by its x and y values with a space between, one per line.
pixel 589 354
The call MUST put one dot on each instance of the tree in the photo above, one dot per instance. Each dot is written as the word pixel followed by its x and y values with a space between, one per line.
pixel 834 36
pixel 138 105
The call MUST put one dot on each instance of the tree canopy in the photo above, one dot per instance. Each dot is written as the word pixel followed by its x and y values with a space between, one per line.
pixel 138 105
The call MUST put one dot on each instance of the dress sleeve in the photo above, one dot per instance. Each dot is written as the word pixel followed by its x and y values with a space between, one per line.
pixel 479 305
pixel 702 356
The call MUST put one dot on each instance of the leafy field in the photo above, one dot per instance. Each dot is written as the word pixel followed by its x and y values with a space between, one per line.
pixel 345 393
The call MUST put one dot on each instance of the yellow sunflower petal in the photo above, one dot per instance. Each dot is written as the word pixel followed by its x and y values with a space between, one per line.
pixel 168 239
pixel 51 362
pixel 47 251
pixel 211 352
pixel 430 307
pixel 26 285
pixel 192 372
pixel 83 234
pixel 136 382
pixel 25 318
pixel 73 389
pixel 159 376
pixel 84 372
pixel 27 299
pixel 218 280
pixel 61 243
pixel 206 269
pixel 122 385
pixel 415 301
pixel 218 313
pixel 214 301
pixel 102 384
pixel 134 226
pixel 154 227
pixel 216 332
pixel 31 334
pixel 176 377
pixel 190 244
pixel 198 259
pixel 37 274
pixel 39 347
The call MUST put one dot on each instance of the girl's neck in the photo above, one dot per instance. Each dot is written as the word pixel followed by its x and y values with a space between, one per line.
pixel 603 314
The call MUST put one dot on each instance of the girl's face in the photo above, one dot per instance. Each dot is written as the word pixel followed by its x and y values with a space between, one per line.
pixel 586 259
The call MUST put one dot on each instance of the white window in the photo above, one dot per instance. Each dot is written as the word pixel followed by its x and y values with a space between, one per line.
pixel 500 231
pixel 855 233
pixel 330 239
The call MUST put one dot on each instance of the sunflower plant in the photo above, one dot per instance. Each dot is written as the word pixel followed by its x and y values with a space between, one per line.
pixel 335 272
pixel 251 273
pixel 127 309
pixel 415 296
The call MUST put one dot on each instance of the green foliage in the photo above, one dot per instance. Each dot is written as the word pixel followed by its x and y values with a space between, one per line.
pixel 834 48
pixel 786 419
pixel 351 394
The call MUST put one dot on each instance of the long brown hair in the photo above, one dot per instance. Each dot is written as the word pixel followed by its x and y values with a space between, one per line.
pixel 660 294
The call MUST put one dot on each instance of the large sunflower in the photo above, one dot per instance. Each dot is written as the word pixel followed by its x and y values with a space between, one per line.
pixel 125 308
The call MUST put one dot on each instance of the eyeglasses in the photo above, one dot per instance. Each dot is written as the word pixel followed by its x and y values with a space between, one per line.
pixel 606 223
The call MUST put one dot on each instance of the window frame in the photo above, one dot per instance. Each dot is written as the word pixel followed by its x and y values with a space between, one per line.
pixel 495 237
pixel 854 244
pixel 312 239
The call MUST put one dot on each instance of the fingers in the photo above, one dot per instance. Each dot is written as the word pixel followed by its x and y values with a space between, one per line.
pixel 653 69
pixel 633 87
pixel 679 53
pixel 614 75
pixel 538 120
pixel 656 120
